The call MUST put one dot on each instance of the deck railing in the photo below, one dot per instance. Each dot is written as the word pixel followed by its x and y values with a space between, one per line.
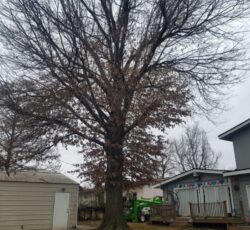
pixel 162 213
pixel 206 210
pixel 216 212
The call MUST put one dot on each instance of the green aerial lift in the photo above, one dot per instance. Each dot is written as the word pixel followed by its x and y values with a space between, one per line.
pixel 138 210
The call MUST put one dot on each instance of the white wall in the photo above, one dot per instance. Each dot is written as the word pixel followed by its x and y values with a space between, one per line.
pixel 146 191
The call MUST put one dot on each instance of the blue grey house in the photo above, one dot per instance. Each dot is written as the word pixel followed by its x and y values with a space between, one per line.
pixel 196 186
pixel 240 178
pixel 231 189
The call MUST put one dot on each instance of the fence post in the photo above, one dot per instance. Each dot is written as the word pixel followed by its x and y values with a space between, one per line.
pixel 191 210
pixel 242 213
pixel 225 209
pixel 174 211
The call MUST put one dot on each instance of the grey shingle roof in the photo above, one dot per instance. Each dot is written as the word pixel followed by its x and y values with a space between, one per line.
pixel 36 177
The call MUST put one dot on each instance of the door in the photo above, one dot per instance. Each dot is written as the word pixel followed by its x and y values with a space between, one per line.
pixel 61 211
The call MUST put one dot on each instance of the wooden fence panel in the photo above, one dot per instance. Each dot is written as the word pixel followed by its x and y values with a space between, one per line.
pixel 162 213
pixel 206 210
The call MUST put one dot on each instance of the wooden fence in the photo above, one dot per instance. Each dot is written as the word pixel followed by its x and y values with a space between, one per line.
pixel 206 210
pixel 162 213
pixel 90 213
pixel 215 213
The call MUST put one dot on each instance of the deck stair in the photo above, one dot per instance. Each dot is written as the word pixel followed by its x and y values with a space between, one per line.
pixel 244 227
pixel 181 222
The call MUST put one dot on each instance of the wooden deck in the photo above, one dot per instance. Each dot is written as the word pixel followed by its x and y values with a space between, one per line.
pixel 217 220
pixel 202 213
pixel 213 213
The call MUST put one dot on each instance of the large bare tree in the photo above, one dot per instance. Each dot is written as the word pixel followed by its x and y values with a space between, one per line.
pixel 99 72
pixel 193 151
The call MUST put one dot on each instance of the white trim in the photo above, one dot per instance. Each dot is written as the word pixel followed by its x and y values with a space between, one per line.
pixel 248 195
pixel 231 195
pixel 188 173
pixel 235 173
pixel 224 135
pixel 69 211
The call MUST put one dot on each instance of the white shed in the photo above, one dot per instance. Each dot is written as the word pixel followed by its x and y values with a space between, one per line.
pixel 32 200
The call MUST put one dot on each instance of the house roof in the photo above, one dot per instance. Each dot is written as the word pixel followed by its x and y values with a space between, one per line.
pixel 36 177
pixel 229 134
pixel 179 176
pixel 237 172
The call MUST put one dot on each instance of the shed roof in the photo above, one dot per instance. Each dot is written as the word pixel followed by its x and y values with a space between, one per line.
pixel 36 177
pixel 192 171
pixel 229 134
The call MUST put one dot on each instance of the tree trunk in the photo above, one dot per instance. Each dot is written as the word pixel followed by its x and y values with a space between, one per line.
pixel 114 216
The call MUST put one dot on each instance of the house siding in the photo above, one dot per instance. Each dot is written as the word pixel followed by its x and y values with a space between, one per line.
pixel 188 179
pixel 146 191
pixel 242 149
pixel 29 206
pixel 187 189
pixel 240 195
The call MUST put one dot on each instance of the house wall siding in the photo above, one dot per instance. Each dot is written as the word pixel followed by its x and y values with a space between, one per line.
pixel 188 179
pixel 191 179
pixel 168 189
pixel 241 145
pixel 239 184
pixel 176 188
pixel 146 191
pixel 29 206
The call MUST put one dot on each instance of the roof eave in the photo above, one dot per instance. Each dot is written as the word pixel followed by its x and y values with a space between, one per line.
pixel 228 135
pixel 208 171
pixel 236 173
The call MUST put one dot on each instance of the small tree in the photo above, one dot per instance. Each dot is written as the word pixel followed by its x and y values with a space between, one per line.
pixel 164 166
pixel 193 151
pixel 98 72
pixel 23 145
